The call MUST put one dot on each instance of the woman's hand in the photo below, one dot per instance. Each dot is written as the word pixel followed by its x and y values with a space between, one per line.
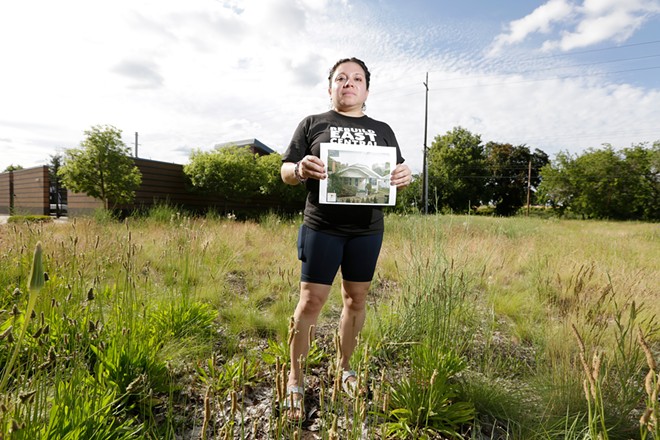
pixel 311 167
pixel 401 176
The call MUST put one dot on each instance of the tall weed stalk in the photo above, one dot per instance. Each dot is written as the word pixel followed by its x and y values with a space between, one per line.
pixel 649 423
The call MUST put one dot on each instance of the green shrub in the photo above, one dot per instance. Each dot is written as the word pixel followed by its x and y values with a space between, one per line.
pixel 30 219
pixel 163 212
pixel 426 402
pixel 104 216
pixel 93 414
pixel 179 320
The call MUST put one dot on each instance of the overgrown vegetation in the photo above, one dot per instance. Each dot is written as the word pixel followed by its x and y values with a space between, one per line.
pixel 166 326
pixel 29 219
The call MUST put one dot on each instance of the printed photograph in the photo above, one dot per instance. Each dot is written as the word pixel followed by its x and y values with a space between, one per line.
pixel 357 175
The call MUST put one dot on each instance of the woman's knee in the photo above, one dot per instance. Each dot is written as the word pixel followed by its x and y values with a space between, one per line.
pixel 310 305
pixel 355 295
pixel 313 298
pixel 355 304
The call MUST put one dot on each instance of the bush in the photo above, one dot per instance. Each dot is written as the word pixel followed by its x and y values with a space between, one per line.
pixel 30 219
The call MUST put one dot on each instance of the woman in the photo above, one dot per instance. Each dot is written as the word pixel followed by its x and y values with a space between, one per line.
pixel 334 236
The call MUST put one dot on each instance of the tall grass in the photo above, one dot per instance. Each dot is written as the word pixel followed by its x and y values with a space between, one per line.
pixel 168 326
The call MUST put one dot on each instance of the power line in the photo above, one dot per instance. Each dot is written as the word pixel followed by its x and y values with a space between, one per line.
pixel 603 49
pixel 567 66
pixel 580 53
pixel 572 137
pixel 550 79
pixel 581 75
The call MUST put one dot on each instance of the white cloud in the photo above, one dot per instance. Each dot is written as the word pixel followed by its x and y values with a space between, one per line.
pixel 592 22
pixel 611 20
pixel 540 20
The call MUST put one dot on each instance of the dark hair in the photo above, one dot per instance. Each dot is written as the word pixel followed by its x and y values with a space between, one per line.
pixel 367 75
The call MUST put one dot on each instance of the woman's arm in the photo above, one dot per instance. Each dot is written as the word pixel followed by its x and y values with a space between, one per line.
pixel 309 167
pixel 288 174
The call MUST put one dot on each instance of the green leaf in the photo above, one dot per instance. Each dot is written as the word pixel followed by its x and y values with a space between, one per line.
pixel 37 279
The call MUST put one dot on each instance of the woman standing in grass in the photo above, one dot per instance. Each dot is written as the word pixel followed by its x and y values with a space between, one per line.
pixel 334 236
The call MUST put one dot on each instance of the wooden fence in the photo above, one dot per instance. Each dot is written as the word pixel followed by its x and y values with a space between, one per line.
pixel 25 191
pixel 162 182
pixel 6 191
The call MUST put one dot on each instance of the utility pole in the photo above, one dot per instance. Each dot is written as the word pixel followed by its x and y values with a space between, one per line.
pixel 136 144
pixel 529 184
pixel 425 165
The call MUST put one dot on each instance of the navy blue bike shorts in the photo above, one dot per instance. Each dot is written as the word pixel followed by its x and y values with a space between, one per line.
pixel 322 254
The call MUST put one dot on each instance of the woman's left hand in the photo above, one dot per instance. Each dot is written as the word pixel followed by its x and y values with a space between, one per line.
pixel 401 176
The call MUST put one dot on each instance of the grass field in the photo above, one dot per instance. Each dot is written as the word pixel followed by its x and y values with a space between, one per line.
pixel 172 327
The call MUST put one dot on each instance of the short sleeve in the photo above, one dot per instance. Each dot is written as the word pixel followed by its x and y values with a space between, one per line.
pixel 299 145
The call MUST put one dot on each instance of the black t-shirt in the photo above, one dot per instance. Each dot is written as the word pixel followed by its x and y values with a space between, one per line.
pixel 334 127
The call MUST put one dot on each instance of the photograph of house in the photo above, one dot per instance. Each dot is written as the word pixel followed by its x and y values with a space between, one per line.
pixel 357 175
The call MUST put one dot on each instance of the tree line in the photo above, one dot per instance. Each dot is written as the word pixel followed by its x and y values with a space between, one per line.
pixel 464 173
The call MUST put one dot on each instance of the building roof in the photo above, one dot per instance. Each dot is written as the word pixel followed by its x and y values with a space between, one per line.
pixel 255 144
pixel 362 169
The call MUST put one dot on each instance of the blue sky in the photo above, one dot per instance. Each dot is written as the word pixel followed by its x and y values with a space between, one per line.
pixel 558 75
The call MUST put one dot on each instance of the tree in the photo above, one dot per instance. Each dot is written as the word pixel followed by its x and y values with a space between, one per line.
pixel 457 171
pixel 643 168
pixel 558 188
pixel 225 170
pixel 237 172
pixel 271 180
pixel 602 185
pixel 102 167
pixel 13 168
pixel 57 191
pixel 509 168
pixel 605 183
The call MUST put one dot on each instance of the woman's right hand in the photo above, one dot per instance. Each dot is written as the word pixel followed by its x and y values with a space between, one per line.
pixel 311 167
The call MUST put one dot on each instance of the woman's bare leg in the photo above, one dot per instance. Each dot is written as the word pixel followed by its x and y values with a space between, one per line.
pixel 353 315
pixel 312 298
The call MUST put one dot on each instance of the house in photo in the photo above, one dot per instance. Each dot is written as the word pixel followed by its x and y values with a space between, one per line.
pixel 366 180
